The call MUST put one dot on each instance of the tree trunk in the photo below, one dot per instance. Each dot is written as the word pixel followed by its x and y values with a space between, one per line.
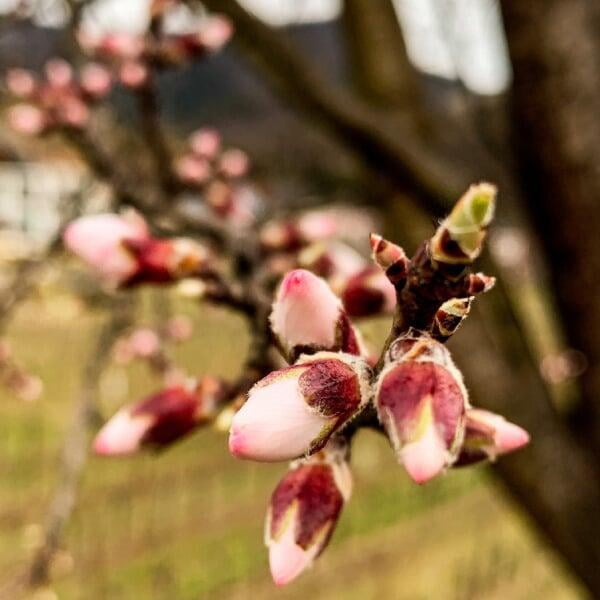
pixel 555 51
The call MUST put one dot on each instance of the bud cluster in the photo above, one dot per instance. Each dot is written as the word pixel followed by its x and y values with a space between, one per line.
pixel 60 97
pixel 312 241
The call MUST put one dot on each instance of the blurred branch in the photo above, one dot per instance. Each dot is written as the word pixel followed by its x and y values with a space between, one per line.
pixel 75 449
pixel 394 152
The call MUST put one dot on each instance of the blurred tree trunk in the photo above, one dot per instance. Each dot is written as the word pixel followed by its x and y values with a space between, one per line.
pixel 555 51
pixel 381 69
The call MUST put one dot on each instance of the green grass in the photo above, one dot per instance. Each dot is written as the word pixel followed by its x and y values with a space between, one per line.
pixel 188 524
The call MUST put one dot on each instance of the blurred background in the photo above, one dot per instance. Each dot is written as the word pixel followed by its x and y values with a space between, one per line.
pixel 391 106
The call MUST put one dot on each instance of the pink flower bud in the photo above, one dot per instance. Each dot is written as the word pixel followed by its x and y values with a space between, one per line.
pixel 317 225
pixel 308 317
pixel 478 283
pixel 421 402
pixel 302 515
pixel 133 74
pixel 488 436
pixel 192 169
pixel 144 342
pixel 20 82
pixel 368 293
pixel 294 411
pixel 158 420
pixel 215 32
pixel 27 119
pixel 205 142
pixel 120 45
pixel 73 112
pixel 59 72
pixel 95 80
pixel 234 163
pixel 100 241
pixel 179 328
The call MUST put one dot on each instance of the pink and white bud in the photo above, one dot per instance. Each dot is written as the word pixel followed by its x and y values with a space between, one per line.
pixel 133 74
pixel 179 328
pixel 479 283
pixel 316 225
pixel 27 119
pixel 193 169
pixel 369 292
pixel 95 80
pixel 215 32
pixel 144 342
pixel 421 401
pixel 100 241
pixel 308 317
pixel 121 45
pixel 488 436
pixel 205 142
pixel 294 411
pixel 234 163
pixel 20 83
pixel 304 510
pixel 160 419
pixel 59 72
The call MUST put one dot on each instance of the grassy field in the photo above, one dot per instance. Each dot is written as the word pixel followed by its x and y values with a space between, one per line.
pixel 188 524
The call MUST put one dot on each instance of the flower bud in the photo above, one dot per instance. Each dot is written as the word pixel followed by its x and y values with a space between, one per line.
pixel 59 72
pixel 421 402
pixel 215 32
pixel 449 317
pixel 479 283
pixel 100 240
pixel 391 258
pixel 459 239
pixel 20 83
pixel 133 74
pixel 95 80
pixel 192 169
pixel 294 411
pixel 205 142
pixel 308 317
pixel 27 119
pixel 234 163
pixel 368 293
pixel 160 419
pixel 303 513
pixel 488 436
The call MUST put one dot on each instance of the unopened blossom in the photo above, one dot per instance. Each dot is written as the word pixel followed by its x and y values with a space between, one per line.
pixel 122 251
pixel 205 142
pixel 294 411
pixel 488 436
pixel 95 80
pixel 20 83
pixel 307 317
pixel 160 419
pixel 234 163
pixel 27 119
pixel 421 401
pixel 369 292
pixel 303 512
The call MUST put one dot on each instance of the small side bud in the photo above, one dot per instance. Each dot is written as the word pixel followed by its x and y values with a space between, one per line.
pixel 294 411
pixel 459 239
pixel 308 317
pixel 449 317
pixel 421 402
pixel 303 512
pixel 488 436
pixel 479 283
pixel 391 258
